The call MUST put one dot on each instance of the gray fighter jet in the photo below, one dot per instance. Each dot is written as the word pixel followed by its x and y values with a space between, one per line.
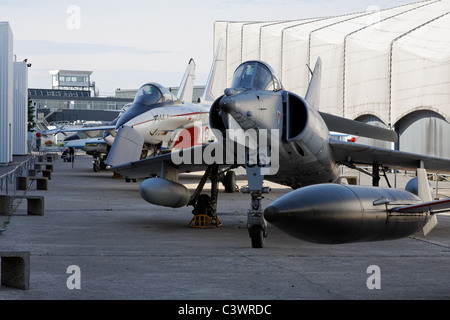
pixel 278 136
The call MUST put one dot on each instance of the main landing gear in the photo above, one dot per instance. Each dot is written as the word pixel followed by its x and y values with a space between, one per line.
pixel 98 162
pixel 205 205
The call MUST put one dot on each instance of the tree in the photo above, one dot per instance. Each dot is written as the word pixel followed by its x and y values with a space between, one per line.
pixel 31 122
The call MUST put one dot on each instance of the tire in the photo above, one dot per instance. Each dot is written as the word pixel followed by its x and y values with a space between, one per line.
pixel 230 182
pixel 257 236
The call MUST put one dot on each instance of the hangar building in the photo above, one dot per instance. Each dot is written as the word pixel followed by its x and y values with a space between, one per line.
pixel 390 67
pixel 13 99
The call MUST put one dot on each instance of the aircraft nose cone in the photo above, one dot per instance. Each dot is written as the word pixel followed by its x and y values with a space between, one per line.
pixel 227 104
pixel 271 213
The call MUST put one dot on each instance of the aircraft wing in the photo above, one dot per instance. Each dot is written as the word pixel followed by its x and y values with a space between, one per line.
pixel 152 166
pixel 61 130
pixel 352 127
pixel 81 143
pixel 353 153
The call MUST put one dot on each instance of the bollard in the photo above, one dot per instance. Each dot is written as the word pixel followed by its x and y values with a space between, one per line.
pixel 15 269
pixel 35 205
pixel 6 203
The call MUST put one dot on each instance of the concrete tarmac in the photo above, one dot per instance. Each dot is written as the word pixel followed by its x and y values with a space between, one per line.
pixel 126 248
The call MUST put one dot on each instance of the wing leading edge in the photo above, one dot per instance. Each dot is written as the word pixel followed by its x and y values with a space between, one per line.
pixel 353 153
pixel 192 161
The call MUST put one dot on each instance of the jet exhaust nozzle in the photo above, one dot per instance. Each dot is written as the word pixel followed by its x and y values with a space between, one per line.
pixel 333 213
pixel 165 193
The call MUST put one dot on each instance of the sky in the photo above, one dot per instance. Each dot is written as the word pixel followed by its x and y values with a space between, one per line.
pixel 127 43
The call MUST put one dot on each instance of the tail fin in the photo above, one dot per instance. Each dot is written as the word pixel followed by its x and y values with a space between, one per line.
pixel 313 93
pixel 208 95
pixel 186 89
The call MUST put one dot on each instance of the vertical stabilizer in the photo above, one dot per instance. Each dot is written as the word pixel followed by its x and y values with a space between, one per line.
pixel 210 95
pixel 313 93
pixel 186 89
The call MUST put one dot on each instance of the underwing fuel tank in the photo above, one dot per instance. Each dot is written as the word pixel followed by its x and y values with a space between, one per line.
pixel 334 213
pixel 163 192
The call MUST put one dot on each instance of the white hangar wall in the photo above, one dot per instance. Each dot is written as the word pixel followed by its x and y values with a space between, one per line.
pixel 392 64
pixel 20 108
pixel 425 131
pixel 6 93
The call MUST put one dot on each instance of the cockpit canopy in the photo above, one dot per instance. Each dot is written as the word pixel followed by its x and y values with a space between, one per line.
pixel 148 97
pixel 255 75
pixel 151 93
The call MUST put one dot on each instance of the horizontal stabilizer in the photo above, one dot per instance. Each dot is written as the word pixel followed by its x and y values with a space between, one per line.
pixel 352 127
pixel 61 130
pixel 127 147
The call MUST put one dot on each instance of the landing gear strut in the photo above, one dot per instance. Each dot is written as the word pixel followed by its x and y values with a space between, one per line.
pixel 202 203
pixel 256 224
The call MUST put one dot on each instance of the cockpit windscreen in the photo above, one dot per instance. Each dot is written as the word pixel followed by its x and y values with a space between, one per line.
pixel 255 75
pixel 150 94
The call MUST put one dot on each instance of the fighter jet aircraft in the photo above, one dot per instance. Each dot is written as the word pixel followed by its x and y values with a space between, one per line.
pixel 287 141
pixel 157 117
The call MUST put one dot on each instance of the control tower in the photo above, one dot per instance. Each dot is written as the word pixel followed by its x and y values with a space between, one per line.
pixel 72 80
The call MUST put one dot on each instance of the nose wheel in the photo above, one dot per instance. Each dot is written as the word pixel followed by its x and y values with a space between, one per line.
pixel 257 234
pixel 256 224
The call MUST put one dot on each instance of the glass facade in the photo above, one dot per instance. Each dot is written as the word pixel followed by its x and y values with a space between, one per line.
pixel 74 99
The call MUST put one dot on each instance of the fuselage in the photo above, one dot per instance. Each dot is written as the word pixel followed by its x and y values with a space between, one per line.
pixel 158 124
pixel 304 154
pixel 158 115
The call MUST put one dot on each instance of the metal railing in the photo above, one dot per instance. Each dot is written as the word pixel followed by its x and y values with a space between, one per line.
pixel 8 181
